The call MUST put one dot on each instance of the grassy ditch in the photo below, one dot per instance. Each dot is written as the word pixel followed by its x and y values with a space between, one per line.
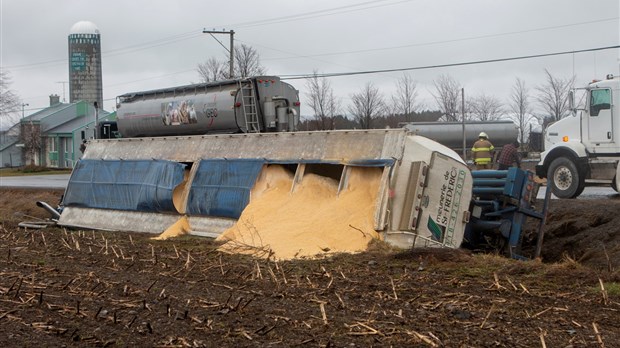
pixel 32 170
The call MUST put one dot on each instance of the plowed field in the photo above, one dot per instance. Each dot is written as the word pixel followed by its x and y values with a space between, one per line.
pixel 63 287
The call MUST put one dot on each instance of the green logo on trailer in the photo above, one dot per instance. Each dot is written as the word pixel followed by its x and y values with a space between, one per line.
pixel 436 230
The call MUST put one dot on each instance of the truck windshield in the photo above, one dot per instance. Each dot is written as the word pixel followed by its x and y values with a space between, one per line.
pixel 600 99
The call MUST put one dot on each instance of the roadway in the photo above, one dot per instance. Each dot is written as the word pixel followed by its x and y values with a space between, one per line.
pixel 593 192
pixel 52 181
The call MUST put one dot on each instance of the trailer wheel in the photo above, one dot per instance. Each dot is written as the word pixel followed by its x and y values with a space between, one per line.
pixel 564 178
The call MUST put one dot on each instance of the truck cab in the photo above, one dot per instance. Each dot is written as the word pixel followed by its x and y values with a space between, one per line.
pixel 584 149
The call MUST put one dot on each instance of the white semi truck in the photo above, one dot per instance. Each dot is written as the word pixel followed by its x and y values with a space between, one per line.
pixel 584 149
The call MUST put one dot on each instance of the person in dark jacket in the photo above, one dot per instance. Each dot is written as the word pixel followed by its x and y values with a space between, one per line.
pixel 482 152
pixel 508 156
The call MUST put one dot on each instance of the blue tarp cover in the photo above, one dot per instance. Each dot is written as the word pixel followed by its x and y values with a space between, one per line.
pixel 136 185
pixel 221 187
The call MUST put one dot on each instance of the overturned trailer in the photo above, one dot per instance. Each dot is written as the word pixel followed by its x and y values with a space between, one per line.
pixel 148 184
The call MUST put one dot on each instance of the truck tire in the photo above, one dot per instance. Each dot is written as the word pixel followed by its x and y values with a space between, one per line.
pixel 564 178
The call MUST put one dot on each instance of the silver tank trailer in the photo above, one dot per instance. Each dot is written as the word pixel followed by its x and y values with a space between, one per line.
pixel 208 108
pixel 450 134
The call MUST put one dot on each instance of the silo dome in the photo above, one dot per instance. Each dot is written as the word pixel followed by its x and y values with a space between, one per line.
pixel 84 27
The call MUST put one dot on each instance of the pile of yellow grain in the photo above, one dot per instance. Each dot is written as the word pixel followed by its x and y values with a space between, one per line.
pixel 309 222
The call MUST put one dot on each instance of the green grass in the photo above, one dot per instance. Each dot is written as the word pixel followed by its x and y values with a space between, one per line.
pixel 32 170
pixel 613 289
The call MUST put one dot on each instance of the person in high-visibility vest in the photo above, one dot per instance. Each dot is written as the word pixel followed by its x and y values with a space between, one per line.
pixel 482 152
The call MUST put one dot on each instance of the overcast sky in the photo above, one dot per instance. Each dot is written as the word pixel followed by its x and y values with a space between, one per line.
pixel 150 44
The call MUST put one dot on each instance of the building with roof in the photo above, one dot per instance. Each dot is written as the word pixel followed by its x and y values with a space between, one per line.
pixel 85 80
pixel 52 136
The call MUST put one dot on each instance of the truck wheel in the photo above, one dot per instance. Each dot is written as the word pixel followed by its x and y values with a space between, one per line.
pixel 564 178
pixel 613 185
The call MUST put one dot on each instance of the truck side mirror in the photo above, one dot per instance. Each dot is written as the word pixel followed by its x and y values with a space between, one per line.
pixel 571 102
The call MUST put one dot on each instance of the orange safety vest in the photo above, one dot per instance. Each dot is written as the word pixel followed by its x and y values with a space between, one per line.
pixel 482 151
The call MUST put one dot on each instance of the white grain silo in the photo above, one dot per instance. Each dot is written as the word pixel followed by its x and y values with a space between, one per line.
pixel 85 81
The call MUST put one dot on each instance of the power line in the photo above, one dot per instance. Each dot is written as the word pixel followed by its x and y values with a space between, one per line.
pixel 130 49
pixel 198 32
pixel 172 38
pixel 313 56
pixel 443 41
pixel 315 14
pixel 194 34
pixel 150 78
pixel 305 76
pixel 116 51
pixel 297 56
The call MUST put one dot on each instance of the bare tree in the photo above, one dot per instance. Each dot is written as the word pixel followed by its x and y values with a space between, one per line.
pixel 367 105
pixel 9 101
pixel 247 62
pixel 520 107
pixel 553 96
pixel 322 101
pixel 213 70
pixel 485 107
pixel 405 99
pixel 447 95
pixel 30 136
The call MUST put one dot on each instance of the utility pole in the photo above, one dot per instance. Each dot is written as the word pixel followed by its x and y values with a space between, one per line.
pixel 230 51
pixel 23 106
pixel 463 114
pixel 96 120
pixel 63 89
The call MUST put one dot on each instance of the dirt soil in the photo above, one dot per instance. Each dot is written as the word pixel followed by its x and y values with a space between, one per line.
pixel 84 288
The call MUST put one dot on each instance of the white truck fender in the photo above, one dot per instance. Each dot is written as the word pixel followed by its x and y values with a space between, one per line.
pixel 571 149
pixel 577 148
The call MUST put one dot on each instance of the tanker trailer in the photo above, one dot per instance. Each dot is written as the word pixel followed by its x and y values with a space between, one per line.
pixel 450 134
pixel 421 196
pixel 250 105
